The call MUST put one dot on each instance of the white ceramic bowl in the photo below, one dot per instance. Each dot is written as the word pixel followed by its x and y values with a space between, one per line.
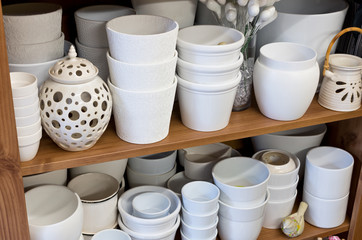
pixel 281 193
pixel 242 181
pixel 144 116
pixel 278 162
pixel 193 232
pixel 183 237
pixel 36 52
pixel 276 211
pixel 29 129
pixel 151 205
pixel 177 181
pixel 229 229
pixel 57 177
pixel 200 44
pixel 199 221
pixel 149 227
pixel 206 107
pixel 325 213
pixel 136 179
pixel 54 212
pixel 170 9
pixel 25 101
pixel 200 197
pixel 164 234
pixel 208 74
pixel 153 164
pixel 328 172
pixel 30 139
pixel 98 193
pixel 23 84
pixel 245 214
pixel 28 23
pixel 27 110
pixel 142 38
pixel 91 22
pixel 295 141
pixel 142 77
pixel 114 168
pixel 281 179
pixel 28 152
pixel 111 234
pixel 28 120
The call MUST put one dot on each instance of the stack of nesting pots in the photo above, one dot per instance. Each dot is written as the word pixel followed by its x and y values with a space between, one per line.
pixel 27 113
pixel 282 185
pixel 92 41
pixel 199 210
pixel 34 40
pixel 142 60
pixel 243 197
pixel 208 72
pixel 327 180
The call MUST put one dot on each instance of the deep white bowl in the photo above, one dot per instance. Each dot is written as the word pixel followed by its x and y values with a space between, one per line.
pixel 242 181
pixel 148 226
pixel 28 120
pixel 27 110
pixel 209 74
pixel 26 100
pixel 23 84
pixel 194 232
pixel 250 230
pixel 199 44
pixel 142 38
pixel 153 164
pixel 54 212
pixel 281 193
pixel 200 221
pixel 151 205
pixel 91 22
pixel 29 129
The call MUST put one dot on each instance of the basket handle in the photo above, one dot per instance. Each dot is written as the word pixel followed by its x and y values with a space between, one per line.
pixel 326 62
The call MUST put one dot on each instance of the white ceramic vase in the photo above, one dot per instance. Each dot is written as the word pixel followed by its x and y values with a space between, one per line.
pixel 285 80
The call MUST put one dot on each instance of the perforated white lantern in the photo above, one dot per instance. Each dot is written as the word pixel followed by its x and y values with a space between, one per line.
pixel 75 103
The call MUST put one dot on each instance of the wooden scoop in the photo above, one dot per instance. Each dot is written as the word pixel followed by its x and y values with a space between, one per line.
pixel 293 225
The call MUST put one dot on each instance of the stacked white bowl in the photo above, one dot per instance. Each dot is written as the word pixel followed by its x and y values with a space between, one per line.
pixel 282 185
pixel 149 213
pixel 243 196
pixel 208 72
pixel 142 60
pixel 199 211
pixel 33 32
pixel 27 113
pixel 327 180
pixel 154 169
pixel 92 41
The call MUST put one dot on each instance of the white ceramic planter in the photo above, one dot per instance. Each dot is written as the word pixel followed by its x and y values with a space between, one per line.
pixel 91 23
pixel 206 107
pixel 285 80
pixel 142 117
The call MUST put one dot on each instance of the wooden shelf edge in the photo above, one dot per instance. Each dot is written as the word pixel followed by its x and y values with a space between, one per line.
pixel 243 124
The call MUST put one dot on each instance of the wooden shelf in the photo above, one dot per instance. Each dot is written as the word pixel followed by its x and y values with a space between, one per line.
pixel 109 147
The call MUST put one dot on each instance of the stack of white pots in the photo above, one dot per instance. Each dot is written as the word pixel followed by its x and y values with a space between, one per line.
pixel 92 41
pixel 327 180
pixel 282 185
pixel 199 211
pixel 243 197
pixel 27 113
pixel 154 169
pixel 142 60
pixel 208 71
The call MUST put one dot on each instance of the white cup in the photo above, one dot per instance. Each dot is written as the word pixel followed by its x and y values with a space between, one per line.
pixel 328 172
pixel 151 205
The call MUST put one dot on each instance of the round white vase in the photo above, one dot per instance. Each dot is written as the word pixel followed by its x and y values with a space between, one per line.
pixel 285 80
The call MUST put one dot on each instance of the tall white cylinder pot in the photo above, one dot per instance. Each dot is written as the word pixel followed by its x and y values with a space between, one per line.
pixel 285 80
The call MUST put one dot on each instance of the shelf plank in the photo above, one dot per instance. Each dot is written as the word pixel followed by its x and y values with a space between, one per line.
pixel 243 124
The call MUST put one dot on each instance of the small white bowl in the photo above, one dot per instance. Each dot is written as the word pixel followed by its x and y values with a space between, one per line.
pixel 193 232
pixel 242 181
pixel 27 110
pixel 54 212
pixel 147 226
pixel 250 230
pixel 25 101
pixel 142 77
pixel 136 179
pixel 199 221
pixel 30 139
pixel 111 234
pixel 183 237
pixel 177 181
pixel 91 22
pixel 28 120
pixel 281 193
pixel 208 74
pixel 36 52
pixel 142 38
pixel 278 162
pixel 28 152
pixel 151 205
pixel 200 44
pixel 153 164
pixel 29 129
pixel 57 177
pixel 23 84
pixel 200 197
